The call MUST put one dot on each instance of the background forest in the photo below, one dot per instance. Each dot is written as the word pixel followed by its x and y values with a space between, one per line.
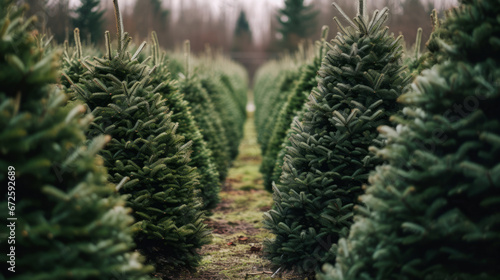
pixel 251 32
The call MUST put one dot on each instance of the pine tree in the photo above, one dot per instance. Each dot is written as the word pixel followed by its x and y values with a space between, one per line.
pixel 228 110
pixel 71 60
pixel 234 78
pixel 272 106
pixel 329 161
pixel 242 40
pixel 224 91
pixel 201 158
pixel 432 211
pixel 294 103
pixel 89 19
pixel 226 84
pixel 296 20
pixel 280 159
pixel 145 147
pixel 206 116
pixel 70 222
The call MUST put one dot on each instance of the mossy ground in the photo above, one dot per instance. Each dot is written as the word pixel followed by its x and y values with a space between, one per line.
pixel 239 216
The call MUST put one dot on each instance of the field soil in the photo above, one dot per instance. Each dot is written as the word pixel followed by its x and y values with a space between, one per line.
pixel 236 223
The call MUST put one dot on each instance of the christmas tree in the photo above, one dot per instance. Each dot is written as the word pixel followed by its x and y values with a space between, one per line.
pixel 295 101
pixel 360 78
pixel 206 116
pixel 65 220
pixel 432 211
pixel 89 19
pixel 145 147
pixel 71 60
pixel 201 158
pixel 270 106
pixel 225 91
pixel 242 34
pixel 230 116
pixel 296 20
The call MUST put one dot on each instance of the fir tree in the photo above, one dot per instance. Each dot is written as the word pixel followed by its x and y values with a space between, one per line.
pixel 432 211
pixel 272 106
pixel 294 103
pixel 296 20
pixel 229 113
pixel 201 158
pixel 226 86
pixel 280 159
pixel 89 19
pixel 71 60
pixel 242 34
pixel 206 116
pixel 145 147
pixel 329 160
pixel 70 222
pixel 235 80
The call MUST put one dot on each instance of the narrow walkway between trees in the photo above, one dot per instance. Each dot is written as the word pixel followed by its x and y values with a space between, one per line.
pixel 236 248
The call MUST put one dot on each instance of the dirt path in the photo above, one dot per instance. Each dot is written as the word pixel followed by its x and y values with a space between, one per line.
pixel 235 252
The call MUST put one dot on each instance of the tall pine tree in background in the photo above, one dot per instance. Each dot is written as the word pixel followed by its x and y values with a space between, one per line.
pixel 296 21
pixel 329 161
pixel 89 19
pixel 433 212
pixel 242 34
pixel 71 224
pixel 117 89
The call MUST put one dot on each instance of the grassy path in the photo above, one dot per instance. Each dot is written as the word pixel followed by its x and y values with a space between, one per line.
pixel 235 251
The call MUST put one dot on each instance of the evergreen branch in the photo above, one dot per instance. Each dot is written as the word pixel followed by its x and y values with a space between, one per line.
pixel 362 9
pixel 418 41
pixel 108 44
pixel 435 20
pixel 139 50
pixel 343 14
pixel 156 48
pixel 187 53
pixel 119 24
pixel 78 43
pixel 341 27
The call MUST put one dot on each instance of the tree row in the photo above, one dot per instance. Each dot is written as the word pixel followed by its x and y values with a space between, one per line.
pixel 384 162
pixel 117 154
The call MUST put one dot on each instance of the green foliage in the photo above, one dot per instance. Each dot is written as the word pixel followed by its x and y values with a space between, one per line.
pixel 296 21
pixel 233 120
pixel 209 122
pixel 226 92
pixel 89 19
pixel 432 211
pixel 70 222
pixel 242 26
pixel 280 159
pixel 418 62
pixel 271 93
pixel 119 92
pixel 328 160
pixel 294 103
pixel 201 158
pixel 71 61
pixel 216 92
